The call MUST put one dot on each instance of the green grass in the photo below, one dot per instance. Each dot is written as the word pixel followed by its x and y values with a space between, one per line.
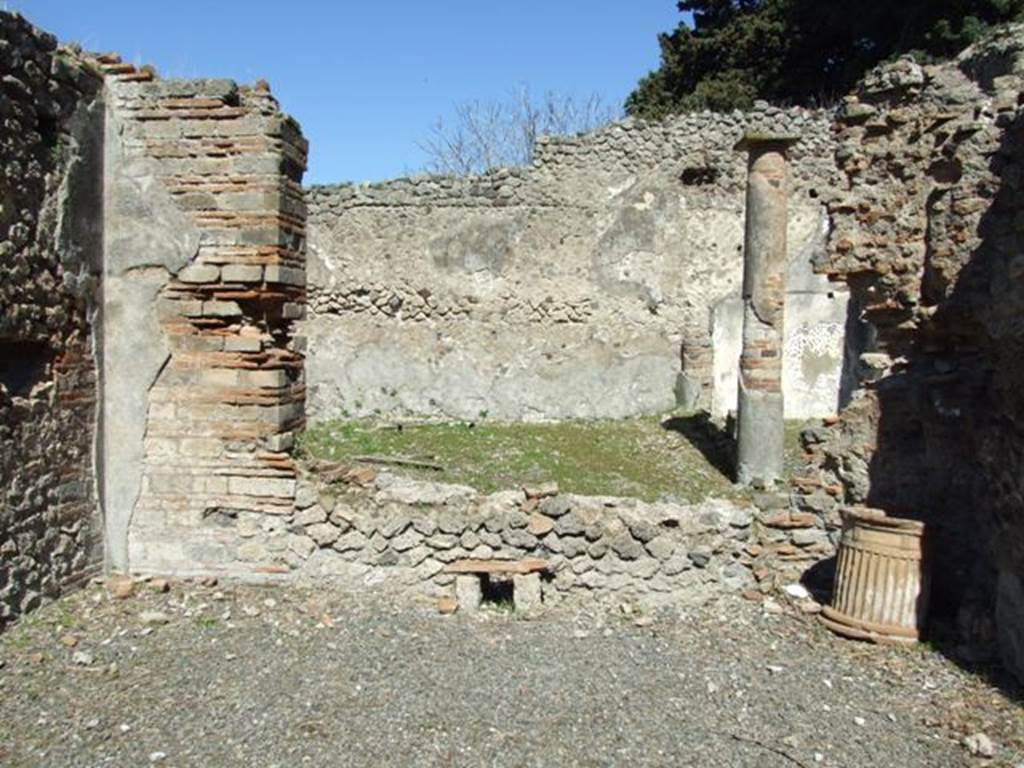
pixel 205 622
pixel 645 458
pixel 64 618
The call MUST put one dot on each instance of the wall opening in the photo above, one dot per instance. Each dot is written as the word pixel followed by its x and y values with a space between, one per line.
pixel 22 365
pixel 497 589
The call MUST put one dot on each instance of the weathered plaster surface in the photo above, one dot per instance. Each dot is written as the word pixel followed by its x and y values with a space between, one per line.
pixel 559 291
pixel 815 321
pixel 147 239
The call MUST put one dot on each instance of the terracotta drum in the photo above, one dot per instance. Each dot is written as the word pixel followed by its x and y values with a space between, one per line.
pixel 881 589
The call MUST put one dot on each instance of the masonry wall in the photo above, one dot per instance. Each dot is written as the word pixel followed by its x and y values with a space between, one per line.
pixel 927 235
pixel 578 287
pixel 50 133
pixel 390 530
pixel 203 282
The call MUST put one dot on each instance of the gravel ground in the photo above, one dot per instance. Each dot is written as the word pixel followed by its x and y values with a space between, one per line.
pixel 243 676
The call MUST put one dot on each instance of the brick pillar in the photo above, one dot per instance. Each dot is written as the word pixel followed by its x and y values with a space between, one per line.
pixel 217 476
pixel 695 382
pixel 760 410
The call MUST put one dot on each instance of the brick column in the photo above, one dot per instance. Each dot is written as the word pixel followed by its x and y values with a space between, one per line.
pixel 217 476
pixel 760 406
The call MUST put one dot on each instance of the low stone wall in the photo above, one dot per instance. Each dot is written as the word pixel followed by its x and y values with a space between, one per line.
pixel 387 530
pixel 50 253
pixel 571 289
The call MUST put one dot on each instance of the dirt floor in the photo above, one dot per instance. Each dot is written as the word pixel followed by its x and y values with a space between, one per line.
pixel 223 675
pixel 678 457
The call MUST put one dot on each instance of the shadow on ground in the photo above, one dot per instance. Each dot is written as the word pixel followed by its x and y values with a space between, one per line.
pixel 714 442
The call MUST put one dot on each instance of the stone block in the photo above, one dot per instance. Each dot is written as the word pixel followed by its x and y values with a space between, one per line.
pixel 517 519
pixel 274 273
pixel 406 541
pixel 310 515
pixel 806 537
pixel 242 273
pixel 205 447
pixel 303 546
pixel 268 379
pixel 574 546
pixel 281 487
pixel 449 523
pixel 700 556
pixel 598 549
pixel 393 524
pixel 425 525
pixel 517 537
pixel 323 532
pixel 555 506
pixel 161 446
pixel 569 525
pixel 252 551
pixel 541 491
pixel 526 592
pixel 177 483
pixel 626 547
pixel 199 273
pixel 442 541
pixel 221 309
pixel 539 524
pixel 643 530
pixel 283 441
pixel 242 344
pixel 353 540
pixel 468 592
pixel 482 552
pixel 220 377
pixel 661 548
pixel 305 496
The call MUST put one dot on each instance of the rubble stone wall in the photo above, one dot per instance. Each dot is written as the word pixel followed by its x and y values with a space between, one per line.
pixel 578 287
pixel 51 120
pixel 357 526
pixel 394 531
pixel 927 232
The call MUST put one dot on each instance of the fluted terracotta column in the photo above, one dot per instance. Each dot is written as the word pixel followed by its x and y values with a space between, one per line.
pixel 760 407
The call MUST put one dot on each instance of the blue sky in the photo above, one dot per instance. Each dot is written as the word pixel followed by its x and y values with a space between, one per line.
pixel 367 79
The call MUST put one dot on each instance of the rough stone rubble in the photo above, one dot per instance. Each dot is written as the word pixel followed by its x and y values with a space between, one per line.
pixel 49 525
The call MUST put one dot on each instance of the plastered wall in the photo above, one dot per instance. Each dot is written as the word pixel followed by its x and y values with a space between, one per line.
pixel 570 289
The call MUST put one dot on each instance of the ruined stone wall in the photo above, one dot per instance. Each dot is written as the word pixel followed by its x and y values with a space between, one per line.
pixel 383 529
pixel 203 282
pixel 574 288
pixel 50 126
pixel 927 233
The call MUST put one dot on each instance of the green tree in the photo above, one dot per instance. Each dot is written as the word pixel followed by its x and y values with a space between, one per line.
pixel 799 51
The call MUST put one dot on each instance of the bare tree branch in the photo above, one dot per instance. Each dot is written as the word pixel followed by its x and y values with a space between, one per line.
pixel 491 134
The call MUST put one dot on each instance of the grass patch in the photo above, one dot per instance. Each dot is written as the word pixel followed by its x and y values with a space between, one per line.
pixel 649 458
pixel 64 618
pixel 205 622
